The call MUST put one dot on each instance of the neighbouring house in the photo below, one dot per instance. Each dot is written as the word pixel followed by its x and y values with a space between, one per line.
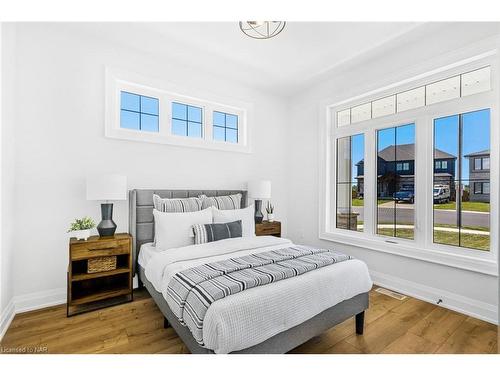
pixel 479 176
pixel 396 169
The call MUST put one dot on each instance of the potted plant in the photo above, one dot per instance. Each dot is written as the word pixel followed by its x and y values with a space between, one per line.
pixel 270 212
pixel 80 228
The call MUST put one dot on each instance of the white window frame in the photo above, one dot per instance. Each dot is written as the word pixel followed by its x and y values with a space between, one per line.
pixel 422 247
pixel 118 80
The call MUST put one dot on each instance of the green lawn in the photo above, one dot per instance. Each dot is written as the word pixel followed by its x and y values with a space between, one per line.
pixel 400 232
pixel 472 241
pixel 466 206
pixel 359 202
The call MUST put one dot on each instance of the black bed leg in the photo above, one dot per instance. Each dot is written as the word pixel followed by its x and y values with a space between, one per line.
pixel 166 324
pixel 360 323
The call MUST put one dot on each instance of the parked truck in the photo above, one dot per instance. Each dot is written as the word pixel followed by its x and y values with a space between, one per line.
pixel 441 193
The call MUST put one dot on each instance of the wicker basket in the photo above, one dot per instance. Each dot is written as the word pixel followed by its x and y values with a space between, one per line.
pixel 101 264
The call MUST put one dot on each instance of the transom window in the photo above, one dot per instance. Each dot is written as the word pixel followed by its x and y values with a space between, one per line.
pixel 187 120
pixel 138 112
pixel 225 127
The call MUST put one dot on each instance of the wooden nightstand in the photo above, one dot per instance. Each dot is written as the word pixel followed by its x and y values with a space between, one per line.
pixel 89 291
pixel 268 229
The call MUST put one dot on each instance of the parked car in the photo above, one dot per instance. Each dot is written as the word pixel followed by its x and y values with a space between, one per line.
pixel 441 194
pixel 405 194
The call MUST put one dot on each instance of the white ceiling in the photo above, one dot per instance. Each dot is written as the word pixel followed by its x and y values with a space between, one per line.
pixel 283 65
pixel 300 51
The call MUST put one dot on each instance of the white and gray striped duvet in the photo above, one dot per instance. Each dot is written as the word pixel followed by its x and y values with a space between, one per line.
pixel 247 318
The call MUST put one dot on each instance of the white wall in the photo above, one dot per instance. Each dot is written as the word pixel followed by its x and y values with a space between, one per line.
pixel 7 177
pixel 462 290
pixel 60 138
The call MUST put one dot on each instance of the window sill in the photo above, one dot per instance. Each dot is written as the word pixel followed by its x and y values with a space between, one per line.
pixel 174 140
pixel 469 263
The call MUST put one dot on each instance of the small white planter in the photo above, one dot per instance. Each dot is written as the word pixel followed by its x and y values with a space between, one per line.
pixel 80 234
pixel 270 217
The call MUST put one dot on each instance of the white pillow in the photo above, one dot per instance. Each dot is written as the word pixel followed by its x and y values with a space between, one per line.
pixel 246 215
pixel 175 229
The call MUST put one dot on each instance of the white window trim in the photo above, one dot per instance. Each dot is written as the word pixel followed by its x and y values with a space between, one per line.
pixel 422 247
pixel 118 80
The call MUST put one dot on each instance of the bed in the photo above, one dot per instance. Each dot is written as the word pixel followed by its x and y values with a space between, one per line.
pixel 272 318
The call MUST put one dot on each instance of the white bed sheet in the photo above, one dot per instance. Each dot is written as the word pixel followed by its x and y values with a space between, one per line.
pixel 148 250
pixel 250 317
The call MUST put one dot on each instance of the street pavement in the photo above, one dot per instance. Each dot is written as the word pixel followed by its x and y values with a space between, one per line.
pixel 405 214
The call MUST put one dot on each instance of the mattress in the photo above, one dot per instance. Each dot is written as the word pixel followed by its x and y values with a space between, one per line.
pixel 245 319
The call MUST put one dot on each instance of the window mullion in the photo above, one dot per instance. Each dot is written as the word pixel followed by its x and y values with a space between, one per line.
pixel 424 167
pixel 165 120
pixel 208 123
pixel 370 184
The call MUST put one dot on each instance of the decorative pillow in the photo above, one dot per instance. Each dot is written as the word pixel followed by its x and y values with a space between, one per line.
pixel 246 215
pixel 174 229
pixel 176 204
pixel 204 233
pixel 224 202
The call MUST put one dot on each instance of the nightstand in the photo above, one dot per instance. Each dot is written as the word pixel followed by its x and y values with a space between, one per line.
pixel 99 272
pixel 268 229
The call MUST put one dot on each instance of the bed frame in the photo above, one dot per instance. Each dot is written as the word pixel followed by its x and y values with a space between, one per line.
pixel 142 229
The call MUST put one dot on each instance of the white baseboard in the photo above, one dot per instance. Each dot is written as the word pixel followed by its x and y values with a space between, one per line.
pixel 39 300
pixel 452 301
pixel 30 302
pixel 6 317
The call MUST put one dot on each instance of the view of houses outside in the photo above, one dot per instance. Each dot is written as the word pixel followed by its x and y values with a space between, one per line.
pixel 461 186
pixel 464 219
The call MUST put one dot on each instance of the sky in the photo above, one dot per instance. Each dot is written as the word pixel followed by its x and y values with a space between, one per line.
pixel 476 137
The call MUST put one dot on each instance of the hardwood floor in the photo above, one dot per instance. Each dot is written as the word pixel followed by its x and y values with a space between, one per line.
pixel 391 326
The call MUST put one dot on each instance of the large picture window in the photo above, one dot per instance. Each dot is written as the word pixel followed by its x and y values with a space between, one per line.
pixel 350 183
pixel 461 194
pixel 396 181
pixel 412 169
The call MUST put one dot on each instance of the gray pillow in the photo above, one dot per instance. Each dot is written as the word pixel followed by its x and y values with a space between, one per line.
pixel 176 204
pixel 224 202
pixel 204 233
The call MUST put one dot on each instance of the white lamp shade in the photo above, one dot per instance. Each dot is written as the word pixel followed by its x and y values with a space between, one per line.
pixel 259 189
pixel 111 187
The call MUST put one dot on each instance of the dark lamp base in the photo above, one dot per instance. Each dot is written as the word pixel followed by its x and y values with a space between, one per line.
pixel 258 214
pixel 107 226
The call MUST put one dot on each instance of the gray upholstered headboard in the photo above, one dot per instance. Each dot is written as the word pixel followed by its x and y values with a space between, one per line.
pixel 141 225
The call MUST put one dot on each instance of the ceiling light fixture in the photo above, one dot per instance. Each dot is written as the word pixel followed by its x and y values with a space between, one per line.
pixel 262 29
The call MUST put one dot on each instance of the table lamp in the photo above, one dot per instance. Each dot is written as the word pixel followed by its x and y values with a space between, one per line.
pixel 106 188
pixel 259 190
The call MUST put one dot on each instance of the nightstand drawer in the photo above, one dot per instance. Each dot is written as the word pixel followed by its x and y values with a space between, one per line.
pixel 91 250
pixel 268 229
